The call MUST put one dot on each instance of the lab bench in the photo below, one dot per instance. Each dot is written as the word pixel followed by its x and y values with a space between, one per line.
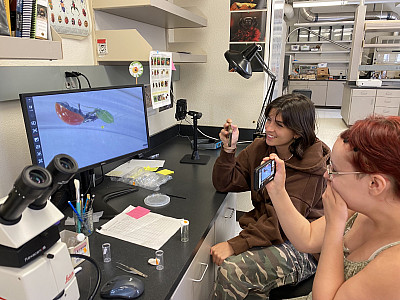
pixel 189 272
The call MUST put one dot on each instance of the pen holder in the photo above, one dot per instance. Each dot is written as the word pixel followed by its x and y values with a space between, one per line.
pixel 85 223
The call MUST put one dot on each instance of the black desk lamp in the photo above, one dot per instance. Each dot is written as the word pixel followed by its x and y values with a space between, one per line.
pixel 181 112
pixel 240 62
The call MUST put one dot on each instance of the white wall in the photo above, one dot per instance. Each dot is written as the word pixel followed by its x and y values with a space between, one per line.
pixel 210 88
pixel 14 150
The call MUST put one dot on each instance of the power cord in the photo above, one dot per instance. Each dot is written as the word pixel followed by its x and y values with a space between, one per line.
pixel 93 262
pixel 76 75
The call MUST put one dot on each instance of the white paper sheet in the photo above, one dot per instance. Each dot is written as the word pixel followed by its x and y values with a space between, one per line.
pixel 133 163
pixel 152 230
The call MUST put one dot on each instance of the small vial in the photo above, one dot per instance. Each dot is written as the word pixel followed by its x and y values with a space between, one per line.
pixel 159 260
pixel 184 231
pixel 106 247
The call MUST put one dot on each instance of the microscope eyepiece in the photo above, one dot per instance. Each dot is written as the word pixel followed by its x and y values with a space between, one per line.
pixel 30 184
pixel 37 176
pixel 62 168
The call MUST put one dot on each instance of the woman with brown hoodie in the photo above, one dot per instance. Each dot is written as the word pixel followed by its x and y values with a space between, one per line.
pixel 261 258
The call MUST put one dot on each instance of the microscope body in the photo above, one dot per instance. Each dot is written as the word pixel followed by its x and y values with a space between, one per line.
pixel 30 268
pixel 34 263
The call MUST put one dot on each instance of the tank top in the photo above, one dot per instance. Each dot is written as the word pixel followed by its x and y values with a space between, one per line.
pixel 351 268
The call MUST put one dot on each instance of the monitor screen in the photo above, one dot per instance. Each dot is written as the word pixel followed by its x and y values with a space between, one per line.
pixel 94 126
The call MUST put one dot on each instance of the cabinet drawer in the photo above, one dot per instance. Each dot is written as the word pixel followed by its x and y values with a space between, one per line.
pixel 387 102
pixel 317 83
pixel 298 83
pixel 363 92
pixel 198 281
pixel 388 93
pixel 386 111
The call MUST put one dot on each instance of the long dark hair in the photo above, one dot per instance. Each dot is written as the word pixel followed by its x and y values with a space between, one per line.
pixel 298 114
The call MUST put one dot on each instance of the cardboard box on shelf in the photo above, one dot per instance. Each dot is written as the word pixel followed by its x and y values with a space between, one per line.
pixel 322 77
pixel 80 248
pixel 322 71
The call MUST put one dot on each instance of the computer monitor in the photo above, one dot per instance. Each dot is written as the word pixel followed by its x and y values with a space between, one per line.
pixel 94 126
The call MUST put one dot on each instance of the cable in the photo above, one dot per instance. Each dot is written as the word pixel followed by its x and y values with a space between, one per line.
pixel 76 75
pixel 93 262
pixel 210 137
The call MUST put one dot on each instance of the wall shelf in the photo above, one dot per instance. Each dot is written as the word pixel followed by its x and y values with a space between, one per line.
pixel 313 61
pixel 319 52
pixel 317 42
pixel 320 24
pixel 154 12
pixel 118 41
pixel 24 48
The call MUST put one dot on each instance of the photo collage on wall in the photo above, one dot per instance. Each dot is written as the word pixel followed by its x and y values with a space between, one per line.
pixel 160 78
pixel 248 25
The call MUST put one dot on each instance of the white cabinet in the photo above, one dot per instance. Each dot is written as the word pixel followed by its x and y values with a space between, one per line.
pixel 323 93
pixel 226 221
pixel 334 93
pixel 360 103
pixel 318 89
pixel 198 281
pixel 387 102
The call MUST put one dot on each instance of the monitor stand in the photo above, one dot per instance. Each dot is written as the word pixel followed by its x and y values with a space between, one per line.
pixel 195 158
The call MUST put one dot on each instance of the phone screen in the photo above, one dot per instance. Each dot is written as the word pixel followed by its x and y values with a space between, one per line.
pixel 264 173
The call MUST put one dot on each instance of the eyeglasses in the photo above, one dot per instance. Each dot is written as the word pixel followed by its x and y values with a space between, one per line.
pixel 331 173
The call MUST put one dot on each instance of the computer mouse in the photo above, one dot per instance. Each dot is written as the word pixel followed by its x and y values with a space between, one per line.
pixel 122 287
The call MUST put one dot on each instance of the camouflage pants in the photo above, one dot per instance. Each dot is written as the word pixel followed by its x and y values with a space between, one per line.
pixel 259 270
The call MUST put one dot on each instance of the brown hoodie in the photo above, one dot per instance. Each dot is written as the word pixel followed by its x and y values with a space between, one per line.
pixel 304 183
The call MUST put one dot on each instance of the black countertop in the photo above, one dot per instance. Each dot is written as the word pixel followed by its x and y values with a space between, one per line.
pixel 200 207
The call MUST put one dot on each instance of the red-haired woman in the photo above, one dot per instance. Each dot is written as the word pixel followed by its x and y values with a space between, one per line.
pixel 359 236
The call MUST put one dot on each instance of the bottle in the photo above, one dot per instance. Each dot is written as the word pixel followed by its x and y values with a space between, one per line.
pixel 184 231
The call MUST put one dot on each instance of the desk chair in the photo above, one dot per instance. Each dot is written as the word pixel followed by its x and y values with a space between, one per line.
pixel 304 92
pixel 292 291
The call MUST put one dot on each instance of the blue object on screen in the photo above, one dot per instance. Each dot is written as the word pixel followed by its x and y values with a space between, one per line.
pixel 94 126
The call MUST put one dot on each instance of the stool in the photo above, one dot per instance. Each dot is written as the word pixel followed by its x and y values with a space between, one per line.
pixel 304 92
pixel 292 291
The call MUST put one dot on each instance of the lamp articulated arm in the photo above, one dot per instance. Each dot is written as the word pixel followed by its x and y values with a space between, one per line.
pixel 240 62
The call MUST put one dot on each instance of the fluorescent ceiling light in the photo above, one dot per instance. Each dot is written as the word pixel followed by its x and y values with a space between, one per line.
pixel 318 3
pixel 314 3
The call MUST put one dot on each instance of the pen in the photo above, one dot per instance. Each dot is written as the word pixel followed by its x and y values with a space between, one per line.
pixel 78 215
pixel 180 197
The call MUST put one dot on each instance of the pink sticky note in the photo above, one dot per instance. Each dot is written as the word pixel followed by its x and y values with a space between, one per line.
pixel 172 66
pixel 138 212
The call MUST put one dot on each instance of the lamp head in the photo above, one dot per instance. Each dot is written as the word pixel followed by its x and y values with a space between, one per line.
pixel 240 61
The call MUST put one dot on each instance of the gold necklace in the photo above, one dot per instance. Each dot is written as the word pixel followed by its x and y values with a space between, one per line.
pixel 288 158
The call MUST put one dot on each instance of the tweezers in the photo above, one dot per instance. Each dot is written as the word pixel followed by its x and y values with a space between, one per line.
pixel 130 270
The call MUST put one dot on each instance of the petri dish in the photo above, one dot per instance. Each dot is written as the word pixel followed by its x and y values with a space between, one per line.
pixel 156 200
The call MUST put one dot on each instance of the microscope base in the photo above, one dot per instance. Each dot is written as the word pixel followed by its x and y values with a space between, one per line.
pixel 44 278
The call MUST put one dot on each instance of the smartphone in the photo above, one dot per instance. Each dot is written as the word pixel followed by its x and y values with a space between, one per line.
pixel 264 174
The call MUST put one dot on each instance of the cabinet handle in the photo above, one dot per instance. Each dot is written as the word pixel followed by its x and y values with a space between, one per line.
pixel 230 216
pixel 204 273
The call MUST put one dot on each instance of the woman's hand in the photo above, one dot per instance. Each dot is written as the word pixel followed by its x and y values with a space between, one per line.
pixel 278 183
pixel 225 138
pixel 335 208
pixel 221 251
